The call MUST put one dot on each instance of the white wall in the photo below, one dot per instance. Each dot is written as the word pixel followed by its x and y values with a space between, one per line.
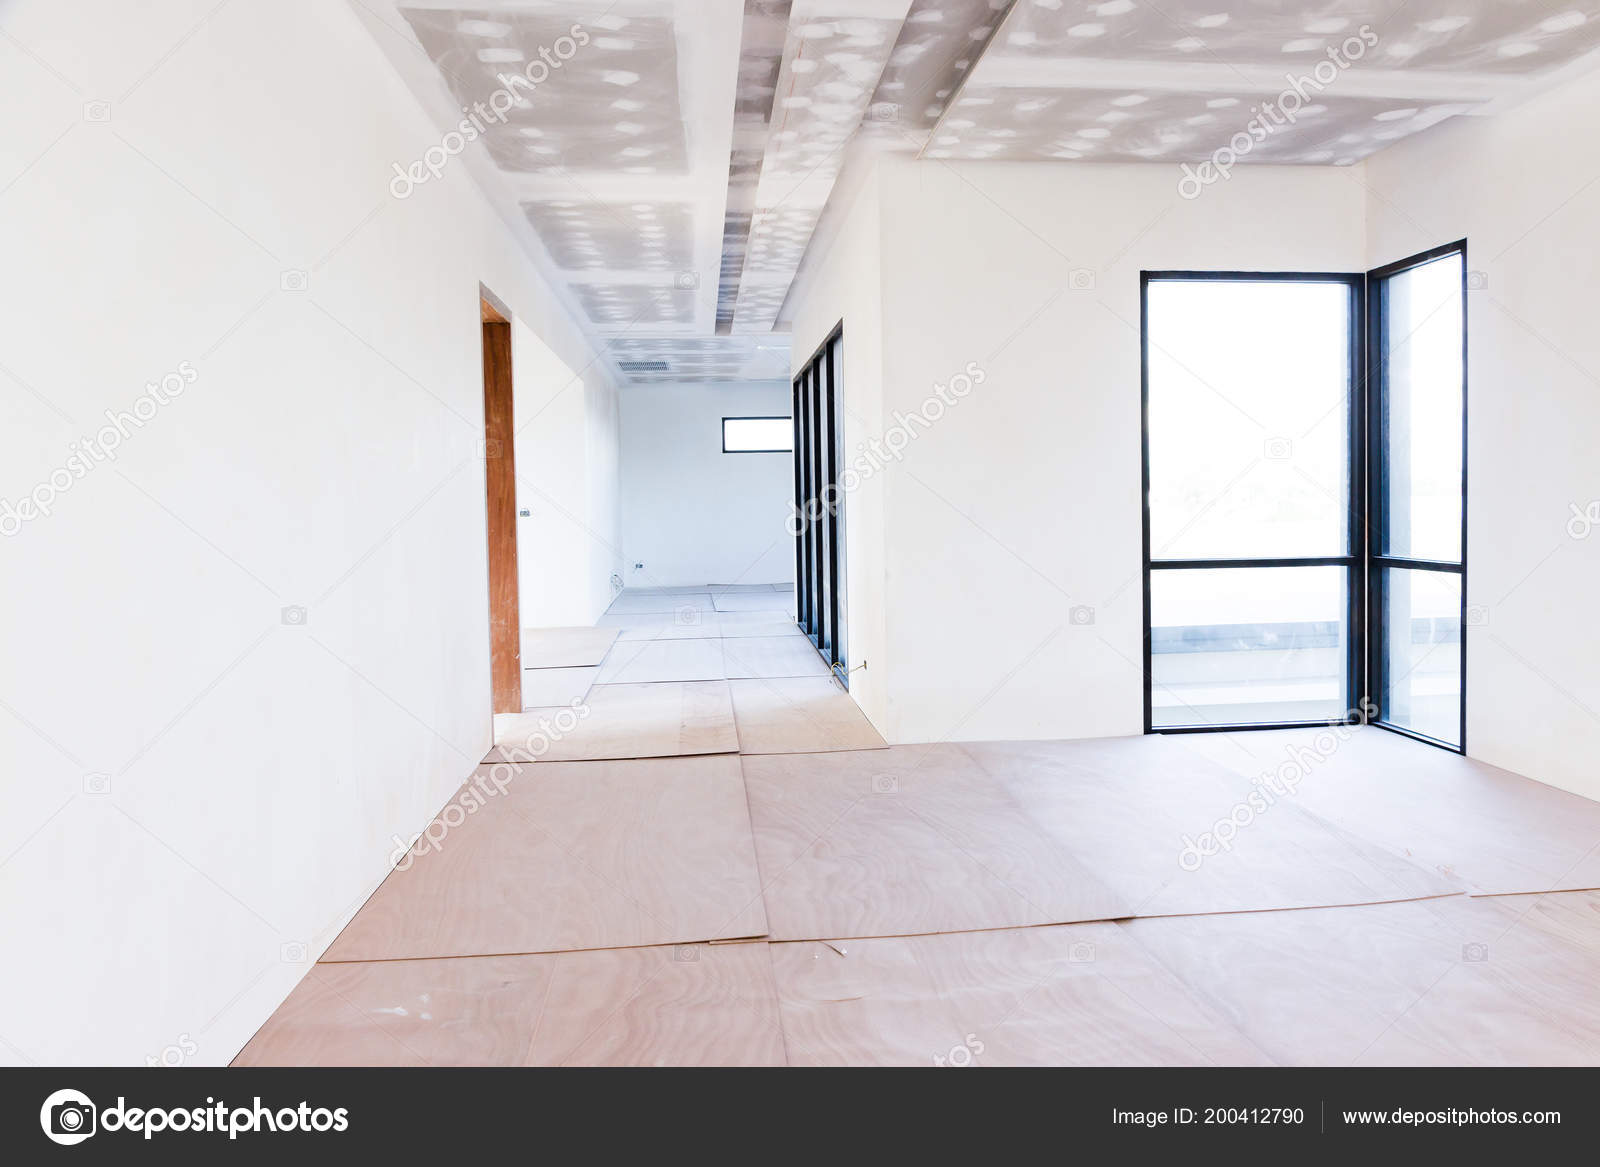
pixel 842 282
pixel 566 460
pixel 690 513
pixel 1023 501
pixel 1521 189
pixel 325 455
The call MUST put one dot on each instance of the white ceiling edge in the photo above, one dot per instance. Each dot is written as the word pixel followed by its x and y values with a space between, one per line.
pixel 1532 87
pixel 861 156
pixel 1217 77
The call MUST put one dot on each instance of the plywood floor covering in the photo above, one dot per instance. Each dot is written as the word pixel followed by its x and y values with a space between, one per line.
pixel 742 872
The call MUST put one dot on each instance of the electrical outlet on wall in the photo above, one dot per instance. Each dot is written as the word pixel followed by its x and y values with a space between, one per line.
pixel 638 567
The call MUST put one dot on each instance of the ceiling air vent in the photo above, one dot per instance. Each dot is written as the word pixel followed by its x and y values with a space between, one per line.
pixel 642 366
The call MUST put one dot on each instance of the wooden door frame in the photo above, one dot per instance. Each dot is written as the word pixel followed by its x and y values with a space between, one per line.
pixel 500 484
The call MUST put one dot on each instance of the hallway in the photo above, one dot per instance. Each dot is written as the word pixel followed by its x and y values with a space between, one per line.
pixel 717 862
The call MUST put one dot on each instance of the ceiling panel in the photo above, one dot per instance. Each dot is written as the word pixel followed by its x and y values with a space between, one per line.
pixel 1457 35
pixel 612 104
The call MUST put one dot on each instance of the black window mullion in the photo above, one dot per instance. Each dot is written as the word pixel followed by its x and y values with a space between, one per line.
pixel 832 455
pixel 1382 565
pixel 809 491
pixel 800 511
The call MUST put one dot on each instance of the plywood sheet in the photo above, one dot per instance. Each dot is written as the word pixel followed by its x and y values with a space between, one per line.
pixel 625 721
pixel 546 688
pixel 573 855
pixel 1136 811
pixel 1496 831
pixel 629 603
pixel 1459 981
pixel 565 648
pixel 763 624
pixel 758 601
pixel 906 840
pixel 799 715
pixel 772 656
pixel 1078 995
pixel 688 1005
pixel 691 625
pixel 461 1012
pixel 645 661
pixel 753 589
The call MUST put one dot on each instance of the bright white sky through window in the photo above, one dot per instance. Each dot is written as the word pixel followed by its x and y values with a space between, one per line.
pixel 749 435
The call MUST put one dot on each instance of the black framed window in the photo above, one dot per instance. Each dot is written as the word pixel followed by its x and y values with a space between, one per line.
pixel 757 435
pixel 1322 577
pixel 1252 530
pixel 818 425
pixel 1417 503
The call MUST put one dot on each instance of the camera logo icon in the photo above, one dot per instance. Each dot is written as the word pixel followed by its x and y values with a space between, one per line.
pixel 1277 449
pixel 68 1117
pixel 1474 953
pixel 97 111
pixel 1081 279
pixel 687 281
pixel 1477 281
pixel 294 616
pixel 294 280
pixel 1082 615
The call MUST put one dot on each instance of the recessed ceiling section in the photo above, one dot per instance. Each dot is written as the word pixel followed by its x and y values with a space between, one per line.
pixel 765 32
pixel 833 58
pixel 710 359
pixel 590 236
pixel 592 90
pixel 940 41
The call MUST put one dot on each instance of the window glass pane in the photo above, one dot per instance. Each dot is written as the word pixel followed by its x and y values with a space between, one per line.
pixel 1422 410
pixel 1249 388
pixel 1236 646
pixel 1421 668
pixel 748 435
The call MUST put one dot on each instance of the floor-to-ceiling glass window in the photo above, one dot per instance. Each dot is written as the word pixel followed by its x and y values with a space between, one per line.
pixel 819 503
pixel 1253 529
pixel 1417 337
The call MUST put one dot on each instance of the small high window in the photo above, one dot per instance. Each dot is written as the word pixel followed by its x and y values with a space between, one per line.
pixel 757 435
